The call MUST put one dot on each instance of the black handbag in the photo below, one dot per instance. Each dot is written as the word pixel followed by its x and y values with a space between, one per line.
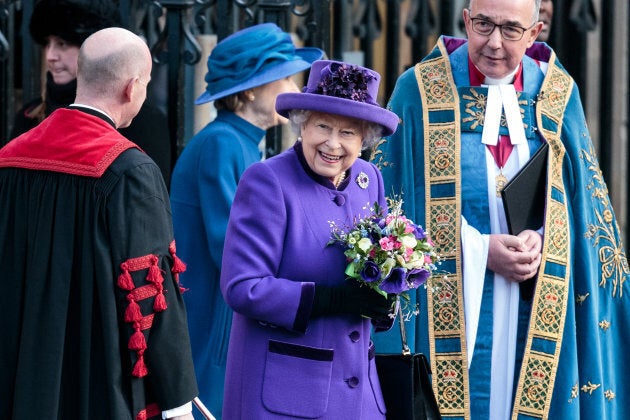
pixel 406 384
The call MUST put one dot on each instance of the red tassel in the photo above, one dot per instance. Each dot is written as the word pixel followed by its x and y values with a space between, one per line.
pixel 132 313
pixel 140 369
pixel 137 341
pixel 159 304
pixel 125 281
pixel 178 265
pixel 152 410
pixel 154 275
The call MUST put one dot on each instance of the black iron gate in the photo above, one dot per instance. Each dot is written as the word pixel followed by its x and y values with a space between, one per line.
pixel 388 35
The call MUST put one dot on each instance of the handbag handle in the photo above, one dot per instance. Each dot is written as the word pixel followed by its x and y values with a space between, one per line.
pixel 403 333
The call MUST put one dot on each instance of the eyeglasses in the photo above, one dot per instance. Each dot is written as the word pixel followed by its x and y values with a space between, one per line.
pixel 485 27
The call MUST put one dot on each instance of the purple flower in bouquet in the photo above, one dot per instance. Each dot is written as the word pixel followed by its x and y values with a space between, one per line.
pixel 396 283
pixel 417 277
pixel 370 272
pixel 419 232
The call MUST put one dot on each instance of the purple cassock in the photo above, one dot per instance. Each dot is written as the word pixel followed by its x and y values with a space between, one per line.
pixel 281 364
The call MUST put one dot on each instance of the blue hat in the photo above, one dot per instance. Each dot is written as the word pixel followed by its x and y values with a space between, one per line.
pixel 253 57
pixel 339 88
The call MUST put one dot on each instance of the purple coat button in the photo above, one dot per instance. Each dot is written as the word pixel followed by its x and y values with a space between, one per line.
pixel 354 336
pixel 353 382
pixel 339 200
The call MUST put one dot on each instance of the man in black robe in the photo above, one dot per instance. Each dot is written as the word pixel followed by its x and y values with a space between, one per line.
pixel 92 321
pixel 60 27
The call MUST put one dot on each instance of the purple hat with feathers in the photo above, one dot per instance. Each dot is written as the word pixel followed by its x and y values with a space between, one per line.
pixel 335 87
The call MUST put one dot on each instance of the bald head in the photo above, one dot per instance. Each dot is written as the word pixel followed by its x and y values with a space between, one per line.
pixel 109 58
pixel 112 61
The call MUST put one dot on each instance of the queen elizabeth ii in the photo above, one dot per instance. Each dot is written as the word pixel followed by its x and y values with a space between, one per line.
pixel 300 340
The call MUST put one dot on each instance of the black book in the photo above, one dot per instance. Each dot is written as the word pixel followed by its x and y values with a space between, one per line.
pixel 524 196
pixel 524 203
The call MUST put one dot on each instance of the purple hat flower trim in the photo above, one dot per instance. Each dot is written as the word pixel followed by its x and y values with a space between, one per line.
pixel 345 81
pixel 339 88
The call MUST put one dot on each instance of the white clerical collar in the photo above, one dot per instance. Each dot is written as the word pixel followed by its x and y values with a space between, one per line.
pixel 95 109
pixel 502 96
pixel 507 80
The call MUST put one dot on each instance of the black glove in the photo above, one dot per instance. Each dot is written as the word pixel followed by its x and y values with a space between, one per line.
pixel 351 298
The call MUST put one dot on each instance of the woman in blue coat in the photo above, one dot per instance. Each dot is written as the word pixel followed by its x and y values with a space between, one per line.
pixel 300 340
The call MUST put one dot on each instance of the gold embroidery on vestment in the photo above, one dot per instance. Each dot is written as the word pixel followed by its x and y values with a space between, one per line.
pixel 537 376
pixel 605 232
pixel 609 394
pixel 575 391
pixel 475 107
pixel 377 156
pixel 590 387
pixel 445 297
pixel 582 298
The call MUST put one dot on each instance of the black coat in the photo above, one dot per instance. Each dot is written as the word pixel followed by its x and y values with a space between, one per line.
pixel 68 245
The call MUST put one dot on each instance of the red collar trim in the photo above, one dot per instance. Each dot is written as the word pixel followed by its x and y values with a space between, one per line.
pixel 68 141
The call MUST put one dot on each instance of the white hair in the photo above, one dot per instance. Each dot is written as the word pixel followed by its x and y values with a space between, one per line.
pixel 536 9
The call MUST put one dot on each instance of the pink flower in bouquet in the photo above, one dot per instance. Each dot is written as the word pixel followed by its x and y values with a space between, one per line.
pixel 386 244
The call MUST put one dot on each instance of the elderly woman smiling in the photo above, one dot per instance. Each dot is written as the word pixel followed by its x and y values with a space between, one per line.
pixel 300 340
pixel 331 143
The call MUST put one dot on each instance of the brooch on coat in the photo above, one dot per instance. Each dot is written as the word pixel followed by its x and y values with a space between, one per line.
pixel 363 180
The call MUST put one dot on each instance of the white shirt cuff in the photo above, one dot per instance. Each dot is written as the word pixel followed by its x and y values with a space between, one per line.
pixel 177 411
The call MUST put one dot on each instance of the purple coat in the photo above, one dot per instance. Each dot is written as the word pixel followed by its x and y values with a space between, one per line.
pixel 281 363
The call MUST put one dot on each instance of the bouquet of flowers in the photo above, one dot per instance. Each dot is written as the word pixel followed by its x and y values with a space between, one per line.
pixel 386 251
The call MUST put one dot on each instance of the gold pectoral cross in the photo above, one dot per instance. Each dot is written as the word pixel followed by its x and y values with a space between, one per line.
pixel 500 181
